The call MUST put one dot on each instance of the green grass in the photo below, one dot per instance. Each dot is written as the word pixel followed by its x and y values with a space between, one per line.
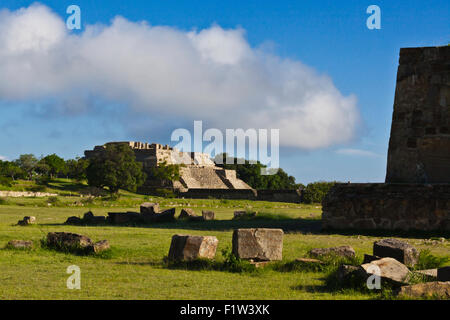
pixel 135 267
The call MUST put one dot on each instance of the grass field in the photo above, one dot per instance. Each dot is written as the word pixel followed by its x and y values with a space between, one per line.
pixel 135 267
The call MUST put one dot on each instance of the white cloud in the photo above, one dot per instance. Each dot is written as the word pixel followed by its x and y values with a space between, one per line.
pixel 212 75
pixel 3 158
pixel 357 152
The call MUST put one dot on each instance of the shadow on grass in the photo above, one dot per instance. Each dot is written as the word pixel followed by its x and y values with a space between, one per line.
pixel 313 226
pixel 141 263
pixel 288 225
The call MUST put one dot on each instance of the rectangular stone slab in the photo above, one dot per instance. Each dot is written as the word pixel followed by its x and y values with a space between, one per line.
pixel 187 248
pixel 259 244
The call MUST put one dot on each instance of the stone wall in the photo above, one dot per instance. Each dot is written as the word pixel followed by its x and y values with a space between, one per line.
pixel 204 193
pixel 18 194
pixel 291 196
pixel 419 145
pixel 387 207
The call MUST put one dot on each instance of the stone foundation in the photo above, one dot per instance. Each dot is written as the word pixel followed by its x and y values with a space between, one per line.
pixel 371 206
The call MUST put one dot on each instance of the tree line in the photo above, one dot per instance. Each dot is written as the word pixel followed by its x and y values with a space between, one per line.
pixel 28 167
pixel 116 168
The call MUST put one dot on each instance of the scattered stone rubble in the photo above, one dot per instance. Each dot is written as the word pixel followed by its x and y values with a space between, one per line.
pixel 390 260
pixel 27 221
pixel 342 251
pixel 190 215
pixel 75 243
pixel 149 213
pixel 243 214
pixel 20 244
pixel 399 250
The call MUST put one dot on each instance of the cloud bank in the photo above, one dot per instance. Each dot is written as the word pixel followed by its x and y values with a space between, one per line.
pixel 357 152
pixel 212 75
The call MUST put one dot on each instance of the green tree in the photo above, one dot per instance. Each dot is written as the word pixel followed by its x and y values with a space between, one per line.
pixel 43 169
pixel 27 162
pixel 76 168
pixel 251 173
pixel 315 192
pixel 56 165
pixel 164 173
pixel 116 168
pixel 10 169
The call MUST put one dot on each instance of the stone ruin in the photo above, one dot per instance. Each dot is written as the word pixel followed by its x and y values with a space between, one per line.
pixel 419 145
pixel 416 193
pixel 199 172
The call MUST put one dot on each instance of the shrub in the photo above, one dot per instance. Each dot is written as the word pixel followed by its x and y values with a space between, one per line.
pixel 42 180
pixel 3 201
pixel 87 200
pixel 315 192
pixel 37 188
pixel 53 200
pixel 6 181
pixel 429 261
pixel 165 193
pixel 232 263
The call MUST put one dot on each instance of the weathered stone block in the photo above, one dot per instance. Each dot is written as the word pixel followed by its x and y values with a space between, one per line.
pixel 149 208
pixel 99 219
pixel 20 244
pixel 345 272
pixel 119 217
pixel 75 243
pixel 258 244
pixel 309 261
pixel 165 216
pixel 243 214
pixel 427 290
pixel 369 258
pixel 387 207
pixel 88 216
pixel 208 215
pixel 400 250
pixel 73 220
pixel 65 240
pixel 187 248
pixel 429 274
pixel 387 268
pixel 189 214
pixel 27 221
pixel 443 274
pixel 342 251
pixel 100 246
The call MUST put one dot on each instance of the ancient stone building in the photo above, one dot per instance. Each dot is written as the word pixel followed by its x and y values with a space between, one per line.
pixel 416 194
pixel 419 146
pixel 198 172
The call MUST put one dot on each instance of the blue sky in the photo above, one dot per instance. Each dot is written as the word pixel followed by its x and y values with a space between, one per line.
pixel 330 37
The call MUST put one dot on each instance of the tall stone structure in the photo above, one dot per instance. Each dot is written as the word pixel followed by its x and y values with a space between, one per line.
pixel 416 194
pixel 419 146
pixel 198 172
